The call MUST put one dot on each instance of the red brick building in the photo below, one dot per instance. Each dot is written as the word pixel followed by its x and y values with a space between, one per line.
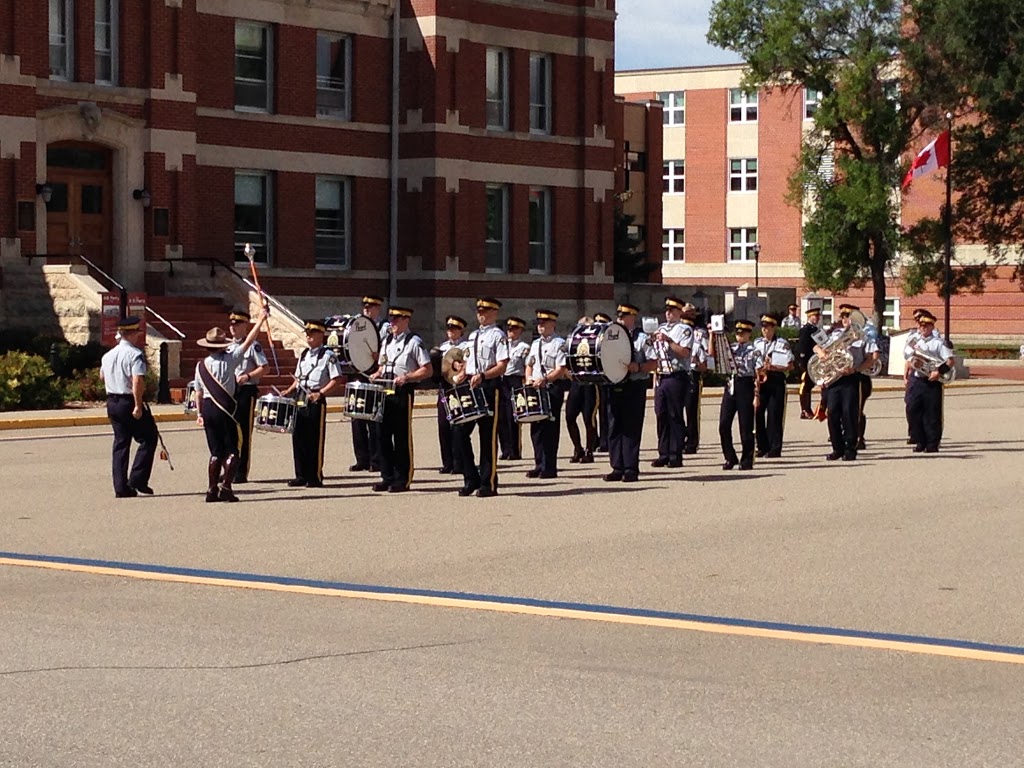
pixel 136 133
pixel 728 156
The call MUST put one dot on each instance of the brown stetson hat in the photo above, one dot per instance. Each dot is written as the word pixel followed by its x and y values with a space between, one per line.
pixel 215 339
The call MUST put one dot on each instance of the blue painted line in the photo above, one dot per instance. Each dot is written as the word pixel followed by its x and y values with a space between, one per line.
pixel 613 610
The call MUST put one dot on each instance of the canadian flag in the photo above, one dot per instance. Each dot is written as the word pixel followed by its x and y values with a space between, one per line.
pixel 932 157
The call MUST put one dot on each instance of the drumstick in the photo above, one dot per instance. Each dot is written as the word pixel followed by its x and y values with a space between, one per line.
pixel 250 254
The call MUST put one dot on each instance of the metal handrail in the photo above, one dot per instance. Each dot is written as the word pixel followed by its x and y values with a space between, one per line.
pixel 215 262
pixel 164 320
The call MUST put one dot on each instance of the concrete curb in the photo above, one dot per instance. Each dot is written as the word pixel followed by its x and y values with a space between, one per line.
pixel 99 418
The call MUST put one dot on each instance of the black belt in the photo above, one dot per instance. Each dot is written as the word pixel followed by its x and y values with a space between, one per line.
pixel 116 396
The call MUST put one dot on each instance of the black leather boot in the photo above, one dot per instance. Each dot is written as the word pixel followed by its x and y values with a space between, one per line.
pixel 212 493
pixel 230 468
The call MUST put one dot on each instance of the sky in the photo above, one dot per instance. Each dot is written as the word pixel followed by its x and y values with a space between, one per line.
pixel 665 33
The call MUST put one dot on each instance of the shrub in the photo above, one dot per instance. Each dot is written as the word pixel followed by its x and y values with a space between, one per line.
pixel 84 386
pixel 27 383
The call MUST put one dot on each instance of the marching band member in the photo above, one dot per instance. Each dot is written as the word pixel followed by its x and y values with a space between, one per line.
pixel 123 372
pixel 770 413
pixel 673 341
pixel 924 391
pixel 603 409
pixel 698 364
pixel 216 381
pixel 805 351
pixel 486 360
pixel 247 379
pixel 792 320
pixel 843 396
pixel 317 374
pixel 911 338
pixel 581 400
pixel 403 362
pixel 627 402
pixel 546 367
pixel 509 433
pixel 365 438
pixel 454 327
pixel 738 398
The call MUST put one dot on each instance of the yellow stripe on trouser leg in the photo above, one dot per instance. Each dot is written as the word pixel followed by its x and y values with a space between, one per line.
pixel 494 442
pixel 412 462
pixel 322 436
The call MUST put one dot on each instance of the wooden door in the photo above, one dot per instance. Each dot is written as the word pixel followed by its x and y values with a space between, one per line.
pixel 79 214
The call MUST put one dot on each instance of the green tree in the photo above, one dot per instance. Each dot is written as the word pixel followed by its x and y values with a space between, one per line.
pixel 630 264
pixel 852 159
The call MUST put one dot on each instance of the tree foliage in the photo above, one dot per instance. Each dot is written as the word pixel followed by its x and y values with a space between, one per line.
pixel 630 264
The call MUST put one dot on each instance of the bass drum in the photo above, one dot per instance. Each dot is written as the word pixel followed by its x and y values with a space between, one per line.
pixel 355 341
pixel 599 353
pixel 191 406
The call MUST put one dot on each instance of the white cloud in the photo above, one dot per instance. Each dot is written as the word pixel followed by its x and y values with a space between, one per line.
pixel 665 33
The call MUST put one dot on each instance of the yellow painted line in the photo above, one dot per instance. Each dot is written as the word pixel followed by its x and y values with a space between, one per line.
pixel 589 614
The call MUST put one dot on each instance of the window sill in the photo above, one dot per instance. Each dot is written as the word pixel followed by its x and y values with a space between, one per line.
pixel 253 110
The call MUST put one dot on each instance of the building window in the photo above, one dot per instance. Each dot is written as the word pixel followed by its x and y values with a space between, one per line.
pixel 105 42
pixel 540 230
pixel 332 222
pixel 252 214
pixel 333 64
pixel 812 100
pixel 673 177
pixel 497 89
pixel 62 13
pixel 497 228
pixel 674 112
pixel 741 243
pixel 891 316
pixel 742 106
pixel 540 93
pixel 252 66
pixel 673 245
pixel 826 311
pixel 743 174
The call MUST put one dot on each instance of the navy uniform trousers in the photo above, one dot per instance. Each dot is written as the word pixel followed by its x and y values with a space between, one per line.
pixel 604 415
pixel 396 454
pixel 486 474
pixel 691 410
pixel 669 401
pixel 245 412
pixel 924 412
pixel 770 417
pixel 627 405
pixel 843 401
pixel 126 429
pixel 510 436
pixel 806 387
pixel 308 441
pixel 866 388
pixel 581 400
pixel 365 440
pixel 544 434
pixel 449 461
pixel 738 400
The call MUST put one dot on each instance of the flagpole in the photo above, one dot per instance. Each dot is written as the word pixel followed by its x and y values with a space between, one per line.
pixel 948 223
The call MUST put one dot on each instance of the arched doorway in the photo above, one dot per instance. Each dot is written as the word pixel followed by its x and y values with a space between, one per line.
pixel 79 215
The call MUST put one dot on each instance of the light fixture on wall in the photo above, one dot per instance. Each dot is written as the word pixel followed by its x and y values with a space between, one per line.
pixel 45 191
pixel 143 196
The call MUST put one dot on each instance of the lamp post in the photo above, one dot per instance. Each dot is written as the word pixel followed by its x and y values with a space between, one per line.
pixel 756 250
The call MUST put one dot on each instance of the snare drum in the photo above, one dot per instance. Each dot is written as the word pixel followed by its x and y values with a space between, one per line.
pixel 191 406
pixel 364 400
pixel 599 353
pixel 355 341
pixel 275 414
pixel 531 404
pixel 464 404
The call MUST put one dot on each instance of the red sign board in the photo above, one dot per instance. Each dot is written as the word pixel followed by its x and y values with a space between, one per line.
pixel 111 313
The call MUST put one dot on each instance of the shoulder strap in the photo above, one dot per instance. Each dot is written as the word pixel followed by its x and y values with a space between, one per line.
pixel 220 396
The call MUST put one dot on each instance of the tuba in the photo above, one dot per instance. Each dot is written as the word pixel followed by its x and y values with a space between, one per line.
pixel 925 362
pixel 838 357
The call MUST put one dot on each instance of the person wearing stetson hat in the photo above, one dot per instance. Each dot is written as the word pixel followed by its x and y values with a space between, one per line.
pixel 738 399
pixel 509 433
pixel 123 371
pixel 546 368
pixel 673 344
pixel 250 370
pixel 770 400
pixel 805 351
pixel 454 328
pixel 216 382
pixel 317 375
pixel 366 433
pixel 486 361
pixel 403 362
pixel 924 390
pixel 792 318
pixel 627 402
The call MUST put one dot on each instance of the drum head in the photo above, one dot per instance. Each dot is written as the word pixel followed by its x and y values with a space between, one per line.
pixel 362 343
pixel 616 350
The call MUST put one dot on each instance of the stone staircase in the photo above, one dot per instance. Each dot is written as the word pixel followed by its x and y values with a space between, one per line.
pixel 194 316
